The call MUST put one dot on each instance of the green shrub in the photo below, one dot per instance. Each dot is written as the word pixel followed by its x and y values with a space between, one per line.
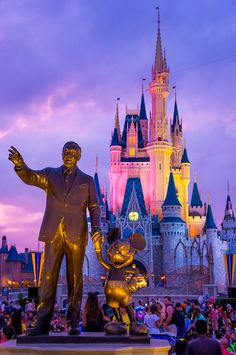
pixel 224 301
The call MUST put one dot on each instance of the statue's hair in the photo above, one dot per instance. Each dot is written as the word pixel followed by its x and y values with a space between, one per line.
pixel 74 144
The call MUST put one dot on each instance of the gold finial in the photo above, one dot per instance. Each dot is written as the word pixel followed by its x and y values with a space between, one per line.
pixel 228 187
pixel 195 176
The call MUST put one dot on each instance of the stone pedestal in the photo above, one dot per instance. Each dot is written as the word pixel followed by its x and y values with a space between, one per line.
pixel 84 338
pixel 156 347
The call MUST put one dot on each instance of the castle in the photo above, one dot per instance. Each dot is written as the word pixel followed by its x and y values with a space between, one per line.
pixel 149 193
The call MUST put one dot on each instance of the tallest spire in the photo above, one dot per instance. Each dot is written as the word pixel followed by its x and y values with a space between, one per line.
pixel 159 55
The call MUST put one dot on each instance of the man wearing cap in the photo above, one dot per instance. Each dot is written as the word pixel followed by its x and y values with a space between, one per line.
pixel 64 229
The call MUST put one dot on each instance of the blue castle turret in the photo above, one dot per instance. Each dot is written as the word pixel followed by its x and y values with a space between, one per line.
pixel 172 228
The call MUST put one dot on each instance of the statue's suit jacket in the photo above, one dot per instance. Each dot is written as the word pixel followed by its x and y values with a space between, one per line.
pixel 62 203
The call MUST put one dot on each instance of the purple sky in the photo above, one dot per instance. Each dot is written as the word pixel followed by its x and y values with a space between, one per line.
pixel 64 62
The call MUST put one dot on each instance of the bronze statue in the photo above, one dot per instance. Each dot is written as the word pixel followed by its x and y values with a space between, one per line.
pixel 64 229
pixel 118 290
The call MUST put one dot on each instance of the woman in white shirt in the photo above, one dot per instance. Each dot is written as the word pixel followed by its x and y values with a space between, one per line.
pixel 152 320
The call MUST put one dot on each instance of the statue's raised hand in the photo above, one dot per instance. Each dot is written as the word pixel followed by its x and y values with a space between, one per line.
pixel 15 157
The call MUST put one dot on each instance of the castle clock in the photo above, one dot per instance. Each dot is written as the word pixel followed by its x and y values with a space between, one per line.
pixel 133 216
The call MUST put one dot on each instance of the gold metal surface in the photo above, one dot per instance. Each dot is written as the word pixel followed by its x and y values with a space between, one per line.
pixel 64 228
pixel 121 281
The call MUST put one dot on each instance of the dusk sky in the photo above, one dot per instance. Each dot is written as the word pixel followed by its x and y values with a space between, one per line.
pixel 63 63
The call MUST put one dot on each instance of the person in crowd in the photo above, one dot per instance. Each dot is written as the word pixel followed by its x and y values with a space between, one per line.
pixel 152 320
pixel 139 312
pixel 16 321
pixel 169 324
pixel 8 333
pixel 91 314
pixel 214 316
pixel 180 320
pixel 107 314
pixel 224 343
pixel 161 312
pixel 2 320
pixel 198 314
pixel 203 345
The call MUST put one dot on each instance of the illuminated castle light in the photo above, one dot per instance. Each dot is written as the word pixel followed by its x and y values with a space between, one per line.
pixel 149 182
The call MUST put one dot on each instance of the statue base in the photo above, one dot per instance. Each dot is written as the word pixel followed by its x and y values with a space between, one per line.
pixel 83 338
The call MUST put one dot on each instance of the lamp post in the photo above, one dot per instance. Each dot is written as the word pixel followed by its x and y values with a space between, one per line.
pixel 103 278
pixel 163 279
pixel 153 278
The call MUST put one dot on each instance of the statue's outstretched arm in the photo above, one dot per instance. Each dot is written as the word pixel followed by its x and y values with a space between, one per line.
pixel 31 177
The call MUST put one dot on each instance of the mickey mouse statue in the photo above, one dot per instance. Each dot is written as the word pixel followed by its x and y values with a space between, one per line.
pixel 118 290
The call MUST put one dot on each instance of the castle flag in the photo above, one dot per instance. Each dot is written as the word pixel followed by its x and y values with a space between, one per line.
pixel 229 260
pixel 37 260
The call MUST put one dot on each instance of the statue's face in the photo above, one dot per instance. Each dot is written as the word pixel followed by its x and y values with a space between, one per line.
pixel 121 253
pixel 70 156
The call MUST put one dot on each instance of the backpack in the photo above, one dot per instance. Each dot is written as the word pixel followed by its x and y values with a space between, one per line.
pixel 177 317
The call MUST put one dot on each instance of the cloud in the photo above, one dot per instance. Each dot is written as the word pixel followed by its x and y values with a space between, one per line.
pixel 13 217
pixel 19 224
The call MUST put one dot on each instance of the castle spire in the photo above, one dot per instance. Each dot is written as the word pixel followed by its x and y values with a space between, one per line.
pixel 98 189
pixel 158 67
pixel 96 165
pixel 196 199
pixel 142 112
pixel 176 120
pixel 171 196
pixel 115 139
pixel 229 213
pixel 210 223
pixel 185 159
pixel 117 120
pixel 165 67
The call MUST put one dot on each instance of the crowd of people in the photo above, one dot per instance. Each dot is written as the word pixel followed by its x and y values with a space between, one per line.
pixel 189 322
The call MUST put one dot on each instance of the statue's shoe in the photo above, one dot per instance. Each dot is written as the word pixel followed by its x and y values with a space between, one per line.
pixel 138 329
pixel 74 331
pixel 115 328
pixel 37 331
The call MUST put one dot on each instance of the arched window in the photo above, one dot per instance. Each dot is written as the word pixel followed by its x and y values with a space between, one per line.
pixel 139 230
pixel 180 256
pixel 127 233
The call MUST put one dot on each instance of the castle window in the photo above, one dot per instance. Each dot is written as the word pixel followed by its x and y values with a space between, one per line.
pixel 132 140
pixel 159 166
pixel 132 152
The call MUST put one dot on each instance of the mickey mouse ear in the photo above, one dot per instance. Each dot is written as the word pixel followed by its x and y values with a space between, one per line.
pixel 113 235
pixel 138 241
